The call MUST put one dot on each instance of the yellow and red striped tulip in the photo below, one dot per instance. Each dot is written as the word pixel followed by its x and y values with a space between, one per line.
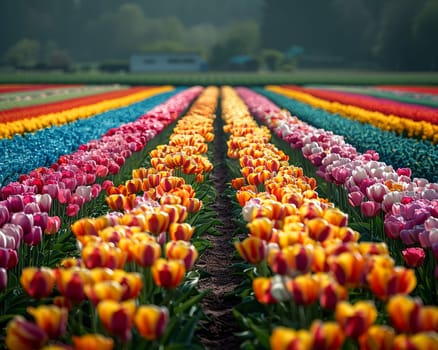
pixel 180 231
pixel 24 335
pixel 151 321
pixel 70 283
pixel 117 318
pixel 419 341
pixel 283 338
pixel 182 250
pixel 157 222
pixel 304 289
pixel 404 312
pixel 131 281
pixel 262 287
pixel 378 337
pixel 105 290
pixel 355 319
pixel 261 228
pixel 51 319
pixel 168 273
pixel 146 252
pixel 348 268
pixel 252 249
pixel 327 335
pixel 38 282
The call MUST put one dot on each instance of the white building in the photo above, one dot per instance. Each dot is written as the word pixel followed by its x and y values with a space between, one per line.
pixel 166 62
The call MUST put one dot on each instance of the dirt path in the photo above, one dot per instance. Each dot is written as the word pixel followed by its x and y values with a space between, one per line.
pixel 218 331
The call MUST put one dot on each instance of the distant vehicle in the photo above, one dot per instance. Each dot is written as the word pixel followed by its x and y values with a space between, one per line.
pixel 167 62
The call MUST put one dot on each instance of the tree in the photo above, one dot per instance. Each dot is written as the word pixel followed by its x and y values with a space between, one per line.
pixel 271 59
pixel 23 54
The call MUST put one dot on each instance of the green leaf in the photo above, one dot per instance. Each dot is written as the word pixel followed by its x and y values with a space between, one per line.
pixel 190 302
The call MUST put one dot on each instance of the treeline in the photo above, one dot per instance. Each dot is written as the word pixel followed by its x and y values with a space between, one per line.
pixel 241 34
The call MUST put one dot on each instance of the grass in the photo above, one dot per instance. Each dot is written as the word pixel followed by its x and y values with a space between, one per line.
pixel 301 76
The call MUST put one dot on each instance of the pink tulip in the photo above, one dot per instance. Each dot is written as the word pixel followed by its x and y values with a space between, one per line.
pixel 40 219
pixel 53 225
pixel 393 226
pixel 73 209
pixel 101 171
pixel 355 198
pixel 14 231
pixel 15 203
pixel 428 238
pixel 23 220
pixel 404 171
pixel 7 241
pixel 84 192
pixel 44 202
pixel 34 237
pixel 369 208
pixel 13 258
pixel 3 278
pixel 414 257
pixel 4 215
pixel 64 196
pixel 376 192
pixel 31 208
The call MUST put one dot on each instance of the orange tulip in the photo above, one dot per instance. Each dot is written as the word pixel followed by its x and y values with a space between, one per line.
pixel 377 337
pixel 51 319
pixel 319 229
pixel 24 335
pixel 193 205
pixel 182 250
pixel 335 217
pixel 168 273
pixel 238 182
pixel 263 290
pixel 355 319
pixel 177 212
pixel 252 249
pixel 283 338
pixel 92 342
pixel 38 282
pixel 151 321
pixel 327 335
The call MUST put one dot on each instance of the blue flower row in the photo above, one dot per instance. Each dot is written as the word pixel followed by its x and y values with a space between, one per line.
pixel 24 153
pixel 401 152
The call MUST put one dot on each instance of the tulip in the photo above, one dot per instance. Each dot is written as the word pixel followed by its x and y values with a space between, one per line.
pixel 355 319
pixel 38 282
pixel 151 321
pixel 51 319
pixel 252 249
pixel 377 192
pixel 92 342
pixel 419 341
pixel 193 205
pixel 23 220
pixel 132 282
pixel 3 278
pixel 355 198
pixel 34 237
pixel 4 215
pixel 180 231
pixel 53 225
pixel 327 335
pixel 331 294
pixel 319 229
pixel 72 209
pixel 348 268
pixel 146 253
pixel 304 289
pixel 182 250
pixel 384 281
pixel 168 273
pixel 261 228
pixel 370 209
pixel 404 312
pixel 414 257
pixel 377 337
pixel 24 335
pixel 105 290
pixel 263 290
pixel 117 318
pixel 157 222
pixel 283 338
pixel 70 283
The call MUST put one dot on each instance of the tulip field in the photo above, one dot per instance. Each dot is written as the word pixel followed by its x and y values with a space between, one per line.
pixel 218 217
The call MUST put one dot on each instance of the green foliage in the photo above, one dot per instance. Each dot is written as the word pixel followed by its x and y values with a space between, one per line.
pixel 23 54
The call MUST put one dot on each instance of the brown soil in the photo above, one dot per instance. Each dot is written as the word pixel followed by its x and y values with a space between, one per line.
pixel 218 331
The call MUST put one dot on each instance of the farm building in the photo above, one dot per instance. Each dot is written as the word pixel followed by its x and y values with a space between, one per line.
pixel 167 62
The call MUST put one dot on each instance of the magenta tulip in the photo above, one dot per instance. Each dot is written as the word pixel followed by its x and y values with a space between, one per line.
pixel 369 208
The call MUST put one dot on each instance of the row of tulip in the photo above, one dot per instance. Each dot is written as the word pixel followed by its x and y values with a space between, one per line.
pixel 132 259
pixel 412 128
pixel 8 88
pixel 42 148
pixel 67 112
pixel 415 98
pixel 375 190
pixel 34 97
pixel 71 184
pixel 387 107
pixel 420 156
pixel 417 89
pixel 308 262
